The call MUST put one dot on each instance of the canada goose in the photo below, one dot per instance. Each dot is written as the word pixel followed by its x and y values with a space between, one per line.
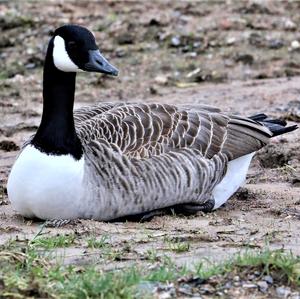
pixel 115 159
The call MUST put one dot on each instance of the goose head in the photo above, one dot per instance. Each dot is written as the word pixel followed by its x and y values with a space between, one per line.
pixel 75 49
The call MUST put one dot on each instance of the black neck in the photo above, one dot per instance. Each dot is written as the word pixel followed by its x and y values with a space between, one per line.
pixel 56 134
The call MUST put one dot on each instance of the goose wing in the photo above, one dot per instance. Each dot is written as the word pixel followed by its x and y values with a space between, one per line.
pixel 146 130
pixel 142 157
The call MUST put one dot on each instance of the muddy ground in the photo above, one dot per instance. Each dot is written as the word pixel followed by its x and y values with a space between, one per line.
pixel 241 56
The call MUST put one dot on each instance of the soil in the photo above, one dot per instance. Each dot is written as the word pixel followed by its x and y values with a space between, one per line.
pixel 240 56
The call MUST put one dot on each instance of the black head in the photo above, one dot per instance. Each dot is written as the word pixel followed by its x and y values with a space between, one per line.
pixel 75 49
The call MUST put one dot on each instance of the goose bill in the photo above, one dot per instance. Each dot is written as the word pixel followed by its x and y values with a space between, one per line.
pixel 97 63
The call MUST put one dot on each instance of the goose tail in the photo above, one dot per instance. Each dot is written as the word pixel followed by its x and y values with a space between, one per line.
pixel 276 126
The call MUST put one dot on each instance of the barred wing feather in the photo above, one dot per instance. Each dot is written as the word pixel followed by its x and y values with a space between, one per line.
pixel 141 130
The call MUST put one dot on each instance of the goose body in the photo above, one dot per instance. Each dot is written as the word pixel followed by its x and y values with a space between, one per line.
pixel 117 159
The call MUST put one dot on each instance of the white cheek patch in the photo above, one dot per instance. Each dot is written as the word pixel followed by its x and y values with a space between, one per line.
pixel 61 58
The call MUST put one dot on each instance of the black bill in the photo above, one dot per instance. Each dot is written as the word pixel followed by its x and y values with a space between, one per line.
pixel 97 63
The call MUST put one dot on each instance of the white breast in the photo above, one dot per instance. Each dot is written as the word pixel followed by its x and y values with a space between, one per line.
pixel 234 178
pixel 46 186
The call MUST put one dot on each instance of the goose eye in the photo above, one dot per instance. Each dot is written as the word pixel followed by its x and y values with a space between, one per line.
pixel 72 45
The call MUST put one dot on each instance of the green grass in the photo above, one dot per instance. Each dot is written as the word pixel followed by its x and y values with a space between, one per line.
pixel 3 75
pixel 151 255
pixel 26 272
pixel 177 245
pixel 95 243
pixel 58 241
pixel 285 264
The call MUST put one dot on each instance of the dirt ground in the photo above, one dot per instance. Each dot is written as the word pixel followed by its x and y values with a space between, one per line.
pixel 241 56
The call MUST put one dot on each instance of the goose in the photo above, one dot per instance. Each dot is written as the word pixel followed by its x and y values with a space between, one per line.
pixel 110 160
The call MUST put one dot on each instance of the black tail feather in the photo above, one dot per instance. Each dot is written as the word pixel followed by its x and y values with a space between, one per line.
pixel 258 117
pixel 276 126
pixel 283 130
pixel 276 121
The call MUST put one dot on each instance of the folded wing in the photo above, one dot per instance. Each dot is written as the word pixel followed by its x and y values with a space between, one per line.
pixel 146 130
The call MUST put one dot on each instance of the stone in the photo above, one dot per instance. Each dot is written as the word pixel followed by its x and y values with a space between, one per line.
pixel 120 52
pixel 161 80
pixel 250 276
pixel 185 290
pixel 206 289
pixel 191 54
pixel 289 25
pixel 193 73
pixel 262 286
pixel 175 41
pixel 294 295
pixel 257 39
pixel 230 41
pixel 268 279
pixel 249 286
pixel 30 66
pixel 275 43
pixel 165 291
pixel 228 285
pixel 125 38
pixel 8 146
pixel 244 58
pixel 283 292
pixel 197 45
pixel 164 295
pixel 295 45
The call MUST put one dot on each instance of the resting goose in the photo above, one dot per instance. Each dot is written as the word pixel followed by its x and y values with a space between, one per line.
pixel 115 159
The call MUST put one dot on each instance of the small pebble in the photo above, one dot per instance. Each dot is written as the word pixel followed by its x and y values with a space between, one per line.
pixel 30 66
pixel 230 41
pixel 191 54
pixel 175 41
pixel 289 24
pixel 276 43
pixel 249 286
pixel 263 286
pixel 294 295
pixel 244 58
pixel 295 45
pixel 29 51
pixel 207 289
pixel 283 292
pixel 153 90
pixel 196 45
pixel 193 73
pixel 164 295
pixel 228 285
pixel 185 291
pixel 120 52
pixel 161 79
pixel 268 279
